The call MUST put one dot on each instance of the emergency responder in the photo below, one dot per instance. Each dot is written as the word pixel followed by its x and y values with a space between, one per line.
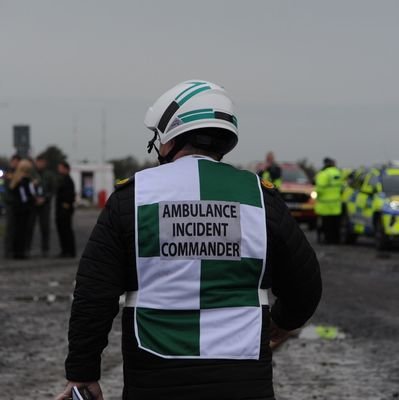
pixel 64 207
pixel 22 195
pixel 328 202
pixel 271 170
pixel 9 233
pixel 45 188
pixel 187 241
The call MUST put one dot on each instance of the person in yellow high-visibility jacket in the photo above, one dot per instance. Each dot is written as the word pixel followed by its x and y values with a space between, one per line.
pixel 271 171
pixel 328 203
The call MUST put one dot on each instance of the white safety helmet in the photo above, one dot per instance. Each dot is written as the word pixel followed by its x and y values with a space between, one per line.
pixel 192 106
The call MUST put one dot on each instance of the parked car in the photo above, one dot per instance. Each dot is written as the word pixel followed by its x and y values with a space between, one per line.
pixel 298 193
pixel 371 206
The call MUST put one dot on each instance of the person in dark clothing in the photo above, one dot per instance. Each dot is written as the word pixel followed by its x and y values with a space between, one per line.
pixel 8 200
pixel 22 194
pixel 64 207
pixel 271 170
pixel 45 188
pixel 149 242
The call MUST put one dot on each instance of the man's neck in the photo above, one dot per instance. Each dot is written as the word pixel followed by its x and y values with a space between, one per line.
pixel 184 153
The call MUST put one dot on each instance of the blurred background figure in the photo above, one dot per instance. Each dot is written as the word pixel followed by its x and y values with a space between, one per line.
pixel 271 170
pixel 328 202
pixel 9 221
pixel 64 207
pixel 45 188
pixel 22 197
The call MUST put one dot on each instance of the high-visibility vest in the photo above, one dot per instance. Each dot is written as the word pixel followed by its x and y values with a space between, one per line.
pixel 328 188
pixel 273 175
pixel 200 257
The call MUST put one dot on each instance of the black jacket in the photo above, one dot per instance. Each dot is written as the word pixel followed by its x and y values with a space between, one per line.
pixel 107 270
pixel 65 196
pixel 22 197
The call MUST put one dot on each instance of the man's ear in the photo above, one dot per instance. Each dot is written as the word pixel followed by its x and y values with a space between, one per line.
pixel 166 148
pixel 169 146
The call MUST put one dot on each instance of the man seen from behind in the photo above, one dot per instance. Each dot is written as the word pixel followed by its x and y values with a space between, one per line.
pixel 194 243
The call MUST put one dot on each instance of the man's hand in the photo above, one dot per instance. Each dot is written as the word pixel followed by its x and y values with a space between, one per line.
pixel 40 201
pixel 93 387
pixel 277 335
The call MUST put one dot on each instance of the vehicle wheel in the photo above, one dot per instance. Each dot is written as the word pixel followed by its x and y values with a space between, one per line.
pixel 382 241
pixel 347 235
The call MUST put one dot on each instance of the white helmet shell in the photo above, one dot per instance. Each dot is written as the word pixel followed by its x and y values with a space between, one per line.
pixel 189 106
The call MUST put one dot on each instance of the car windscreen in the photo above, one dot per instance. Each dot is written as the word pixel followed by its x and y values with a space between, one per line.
pixel 390 185
pixel 294 175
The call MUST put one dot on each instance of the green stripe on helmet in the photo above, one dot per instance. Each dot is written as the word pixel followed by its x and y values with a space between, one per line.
pixel 195 117
pixel 195 92
pixel 193 85
pixel 202 110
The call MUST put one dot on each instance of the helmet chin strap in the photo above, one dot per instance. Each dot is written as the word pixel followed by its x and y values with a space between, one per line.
pixel 151 145
pixel 179 144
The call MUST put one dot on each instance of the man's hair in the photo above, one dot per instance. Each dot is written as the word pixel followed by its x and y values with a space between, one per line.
pixel 329 162
pixel 16 157
pixel 41 157
pixel 190 149
pixel 65 164
pixel 210 142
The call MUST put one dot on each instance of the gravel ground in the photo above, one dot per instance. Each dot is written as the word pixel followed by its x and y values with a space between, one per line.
pixel 360 298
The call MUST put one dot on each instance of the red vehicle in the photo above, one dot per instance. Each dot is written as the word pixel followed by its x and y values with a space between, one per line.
pixel 298 193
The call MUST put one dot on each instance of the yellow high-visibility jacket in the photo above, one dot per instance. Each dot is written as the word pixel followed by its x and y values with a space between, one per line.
pixel 328 188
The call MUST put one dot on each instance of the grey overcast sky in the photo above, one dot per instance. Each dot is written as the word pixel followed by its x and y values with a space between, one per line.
pixel 310 78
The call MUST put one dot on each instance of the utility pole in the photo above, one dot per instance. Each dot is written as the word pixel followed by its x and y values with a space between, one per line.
pixel 75 136
pixel 103 134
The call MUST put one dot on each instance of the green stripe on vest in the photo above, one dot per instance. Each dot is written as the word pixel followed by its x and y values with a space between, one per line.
pixel 148 220
pixel 224 283
pixel 170 332
pixel 216 184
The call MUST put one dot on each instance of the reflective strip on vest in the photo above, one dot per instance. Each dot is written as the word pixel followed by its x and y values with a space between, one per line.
pixel 200 256
pixel 131 298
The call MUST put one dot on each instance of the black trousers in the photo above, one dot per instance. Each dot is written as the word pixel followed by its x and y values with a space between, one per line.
pixel 21 221
pixel 9 233
pixel 41 213
pixel 63 220
pixel 330 226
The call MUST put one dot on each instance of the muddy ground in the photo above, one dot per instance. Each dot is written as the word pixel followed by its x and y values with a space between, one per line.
pixel 361 299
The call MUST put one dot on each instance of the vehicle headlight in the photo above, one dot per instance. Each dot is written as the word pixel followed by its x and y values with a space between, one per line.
pixel 394 205
pixel 313 195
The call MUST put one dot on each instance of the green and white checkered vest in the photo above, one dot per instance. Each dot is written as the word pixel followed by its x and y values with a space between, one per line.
pixel 200 255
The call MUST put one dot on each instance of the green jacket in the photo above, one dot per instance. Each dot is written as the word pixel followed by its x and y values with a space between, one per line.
pixel 328 188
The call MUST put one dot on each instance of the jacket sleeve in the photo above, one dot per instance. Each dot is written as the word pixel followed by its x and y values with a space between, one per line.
pixel 292 269
pixel 101 278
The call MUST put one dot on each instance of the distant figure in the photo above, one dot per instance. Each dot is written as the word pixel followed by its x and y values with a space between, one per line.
pixel 271 170
pixel 22 200
pixel 64 207
pixel 45 188
pixel 9 222
pixel 328 203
